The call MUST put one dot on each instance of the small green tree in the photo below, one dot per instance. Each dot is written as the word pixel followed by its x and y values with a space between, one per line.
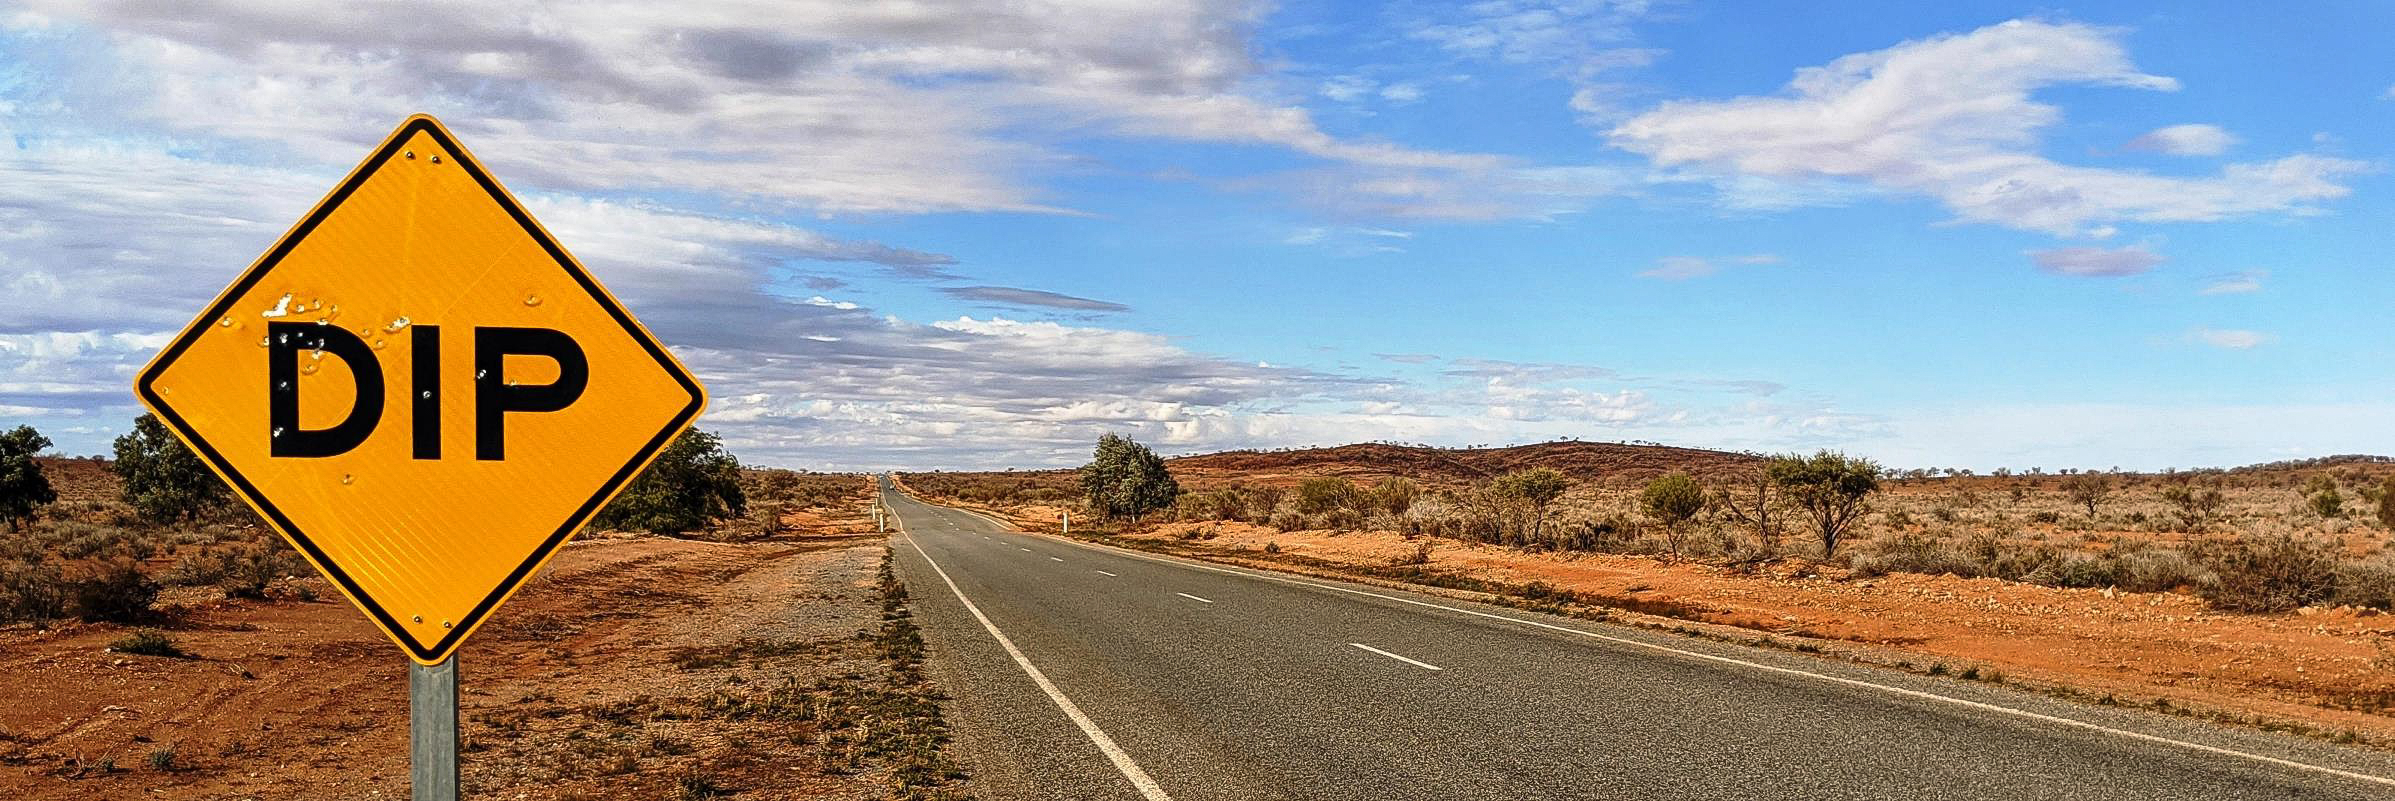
pixel 2087 489
pixel 1126 479
pixel 1829 487
pixel 1673 499
pixel 1536 488
pixel 693 481
pixel 163 480
pixel 23 488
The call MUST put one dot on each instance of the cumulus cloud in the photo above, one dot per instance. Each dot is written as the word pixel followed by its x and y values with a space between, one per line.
pixel 2096 261
pixel 1952 118
pixel 2185 140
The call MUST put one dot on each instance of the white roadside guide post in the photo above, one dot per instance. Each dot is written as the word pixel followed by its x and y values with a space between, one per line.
pixel 496 399
pixel 1068 522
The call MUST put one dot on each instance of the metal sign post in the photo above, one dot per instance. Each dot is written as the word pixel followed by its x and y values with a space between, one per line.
pixel 432 730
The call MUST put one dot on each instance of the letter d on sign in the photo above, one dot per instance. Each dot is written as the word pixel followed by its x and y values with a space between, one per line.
pixel 282 390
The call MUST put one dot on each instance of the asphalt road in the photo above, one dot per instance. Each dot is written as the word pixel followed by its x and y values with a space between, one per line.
pixel 1082 672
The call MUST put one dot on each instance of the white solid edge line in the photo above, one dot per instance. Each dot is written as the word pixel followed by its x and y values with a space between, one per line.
pixel 1193 598
pixel 1104 573
pixel 1908 693
pixel 1114 753
pixel 1415 662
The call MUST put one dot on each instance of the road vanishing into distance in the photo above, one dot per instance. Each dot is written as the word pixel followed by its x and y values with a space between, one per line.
pixel 1079 672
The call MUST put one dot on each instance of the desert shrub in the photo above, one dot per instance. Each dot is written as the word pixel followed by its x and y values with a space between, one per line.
pixel 1290 520
pixel 1320 495
pixel 114 592
pixel 1829 488
pixel 1126 479
pixel 1420 555
pixel 1340 519
pixel 31 591
pixel 692 482
pixel 1672 499
pixel 2326 503
pixel 23 488
pixel 248 571
pixel 2088 490
pixel 1530 492
pixel 162 479
pixel 1223 504
pixel 1396 494
pixel 79 540
pixel 2386 504
pixel 2368 584
pixel 2046 516
pixel 150 642
pixel 2158 570
pixel 2195 504
pixel 2269 575
pixel 1911 553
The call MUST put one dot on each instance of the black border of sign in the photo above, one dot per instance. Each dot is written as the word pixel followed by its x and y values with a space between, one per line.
pixel 448 642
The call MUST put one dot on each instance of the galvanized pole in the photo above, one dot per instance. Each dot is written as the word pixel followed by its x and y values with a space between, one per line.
pixel 432 727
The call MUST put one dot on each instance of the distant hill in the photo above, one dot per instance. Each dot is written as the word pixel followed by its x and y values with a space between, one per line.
pixel 1602 462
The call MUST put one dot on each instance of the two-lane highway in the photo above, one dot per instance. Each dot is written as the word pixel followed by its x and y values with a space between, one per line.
pixel 1083 672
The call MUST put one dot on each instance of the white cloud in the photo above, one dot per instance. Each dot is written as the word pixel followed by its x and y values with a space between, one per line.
pixel 2095 261
pixel 2236 283
pixel 2185 140
pixel 1951 118
pixel 2230 338
pixel 821 104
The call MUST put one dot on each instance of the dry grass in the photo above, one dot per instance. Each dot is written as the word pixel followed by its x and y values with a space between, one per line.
pixel 2251 539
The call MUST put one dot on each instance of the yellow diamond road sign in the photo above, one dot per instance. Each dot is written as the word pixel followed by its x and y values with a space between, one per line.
pixel 421 390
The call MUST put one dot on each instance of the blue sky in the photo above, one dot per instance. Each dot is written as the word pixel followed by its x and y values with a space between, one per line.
pixel 1963 234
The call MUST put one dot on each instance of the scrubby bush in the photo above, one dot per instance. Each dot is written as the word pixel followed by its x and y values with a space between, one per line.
pixel 2386 504
pixel 1530 492
pixel 2196 504
pixel 114 592
pixel 31 591
pixel 692 482
pixel 23 488
pixel 1829 488
pixel 2269 575
pixel 1672 499
pixel 150 642
pixel 2088 490
pixel 1126 479
pixel 162 479
pixel 1396 494
pixel 1911 553
pixel 2367 584
pixel 1320 495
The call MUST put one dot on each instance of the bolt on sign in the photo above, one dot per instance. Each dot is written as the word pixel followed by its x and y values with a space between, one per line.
pixel 421 390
